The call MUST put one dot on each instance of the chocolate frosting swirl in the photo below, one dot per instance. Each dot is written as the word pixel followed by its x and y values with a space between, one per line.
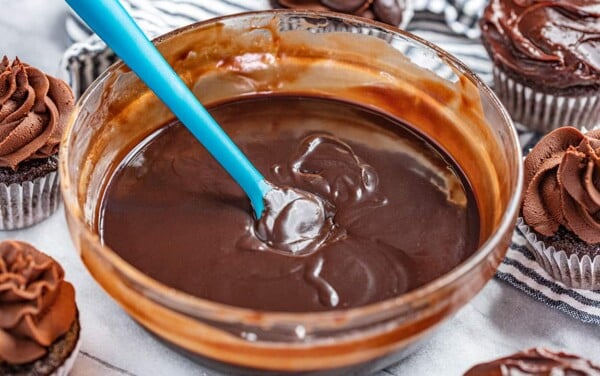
pixel 36 305
pixel 34 108
pixel 555 43
pixel 562 182
pixel 539 362
pixel 388 11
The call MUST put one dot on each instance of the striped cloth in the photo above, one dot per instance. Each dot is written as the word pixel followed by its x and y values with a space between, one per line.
pixel 451 24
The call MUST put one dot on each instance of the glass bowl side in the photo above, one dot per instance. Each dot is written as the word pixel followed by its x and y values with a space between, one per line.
pixel 103 125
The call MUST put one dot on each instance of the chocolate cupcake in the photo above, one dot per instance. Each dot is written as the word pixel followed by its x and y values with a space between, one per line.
pixel 561 206
pixel 39 325
pixel 546 58
pixel 393 12
pixel 538 362
pixel 34 109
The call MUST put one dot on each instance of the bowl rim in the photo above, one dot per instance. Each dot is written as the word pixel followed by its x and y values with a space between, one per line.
pixel 193 305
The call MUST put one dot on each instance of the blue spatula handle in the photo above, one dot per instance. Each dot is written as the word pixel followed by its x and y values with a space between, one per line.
pixel 113 24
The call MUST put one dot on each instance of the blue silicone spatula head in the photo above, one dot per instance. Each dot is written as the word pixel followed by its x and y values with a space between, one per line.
pixel 113 24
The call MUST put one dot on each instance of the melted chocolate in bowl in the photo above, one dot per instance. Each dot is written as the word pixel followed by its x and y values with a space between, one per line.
pixel 403 213
pixel 295 53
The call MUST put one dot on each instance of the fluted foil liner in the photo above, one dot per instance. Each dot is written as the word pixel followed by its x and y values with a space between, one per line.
pixel 27 203
pixel 570 269
pixel 543 112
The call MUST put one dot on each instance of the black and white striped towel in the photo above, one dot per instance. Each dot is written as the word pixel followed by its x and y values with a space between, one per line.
pixel 451 24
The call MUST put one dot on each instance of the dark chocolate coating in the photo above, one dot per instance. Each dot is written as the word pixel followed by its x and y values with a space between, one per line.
pixel 402 217
pixel 536 362
pixel 344 5
pixel 388 11
pixel 552 45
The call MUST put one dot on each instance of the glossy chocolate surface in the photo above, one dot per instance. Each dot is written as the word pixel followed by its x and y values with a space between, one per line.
pixel 388 11
pixel 536 362
pixel 402 213
pixel 555 44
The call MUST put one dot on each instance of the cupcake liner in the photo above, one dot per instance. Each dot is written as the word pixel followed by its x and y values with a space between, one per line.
pixel 27 203
pixel 543 112
pixel 570 269
pixel 69 362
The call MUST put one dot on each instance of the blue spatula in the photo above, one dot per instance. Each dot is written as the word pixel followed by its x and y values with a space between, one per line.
pixel 113 24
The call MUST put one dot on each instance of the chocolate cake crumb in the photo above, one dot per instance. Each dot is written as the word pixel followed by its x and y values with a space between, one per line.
pixel 28 170
pixel 570 243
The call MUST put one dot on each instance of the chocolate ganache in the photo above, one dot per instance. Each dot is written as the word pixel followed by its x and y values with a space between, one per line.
pixel 388 11
pixel 536 362
pixel 401 213
pixel 552 43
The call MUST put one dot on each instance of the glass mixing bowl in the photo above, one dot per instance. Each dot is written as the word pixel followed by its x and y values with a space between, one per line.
pixel 297 52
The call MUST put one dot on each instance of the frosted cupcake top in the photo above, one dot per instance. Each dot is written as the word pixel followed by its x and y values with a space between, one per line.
pixel 562 184
pixel 34 109
pixel 555 43
pixel 388 11
pixel 537 361
pixel 36 305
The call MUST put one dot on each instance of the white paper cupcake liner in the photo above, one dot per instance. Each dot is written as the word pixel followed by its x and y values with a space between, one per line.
pixel 27 203
pixel 70 361
pixel 570 269
pixel 543 112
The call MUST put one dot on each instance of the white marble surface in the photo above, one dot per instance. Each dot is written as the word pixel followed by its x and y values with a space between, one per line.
pixel 499 321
